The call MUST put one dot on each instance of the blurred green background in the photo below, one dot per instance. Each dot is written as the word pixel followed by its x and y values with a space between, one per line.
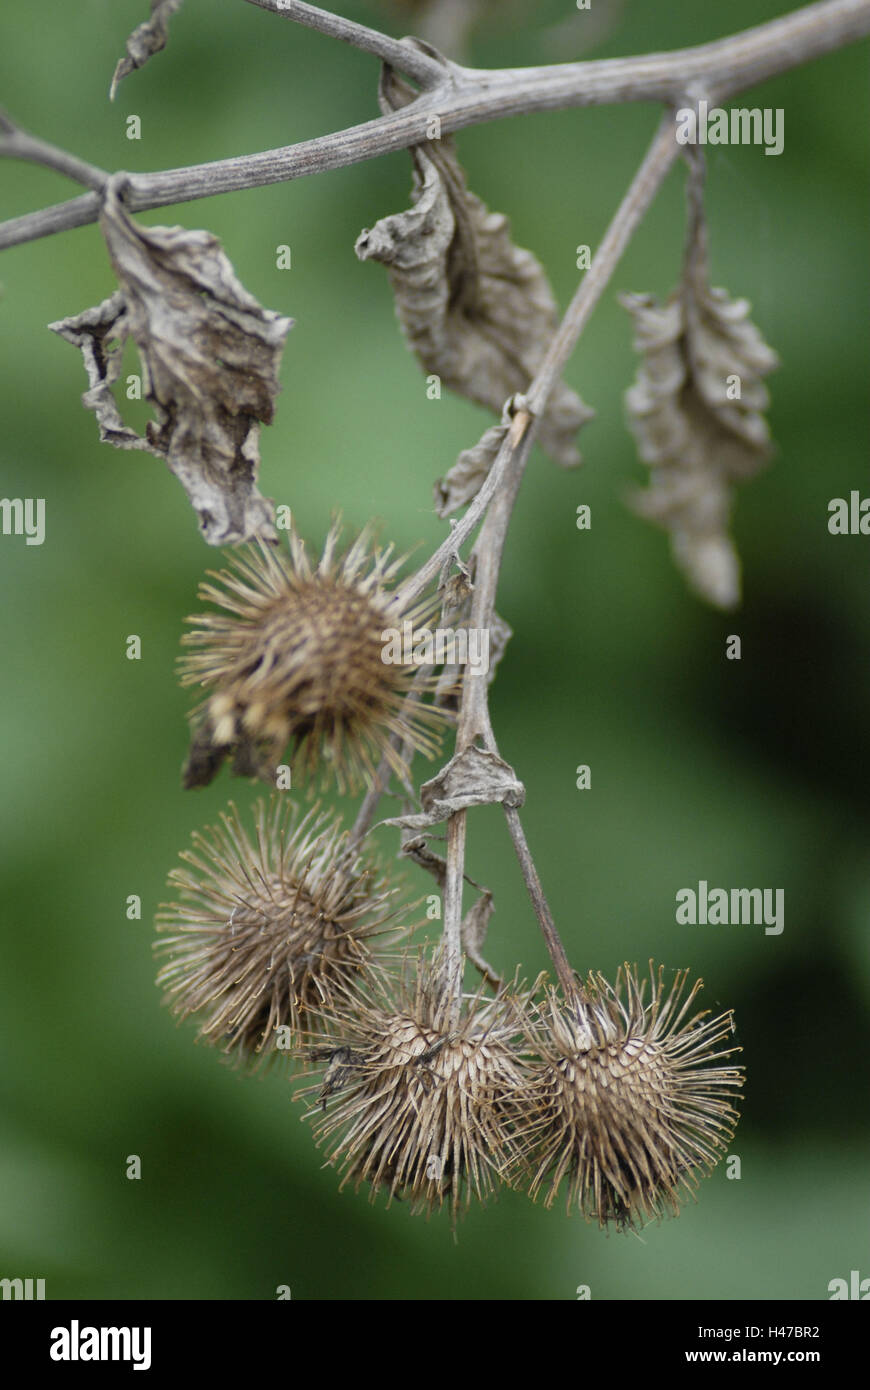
pixel 744 774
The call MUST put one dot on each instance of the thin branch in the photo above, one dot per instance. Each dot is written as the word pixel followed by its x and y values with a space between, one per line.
pixel 369 804
pixel 469 96
pixel 453 909
pixel 496 499
pixel 386 767
pixel 560 960
pixel 16 143
pixel 661 155
pixel 514 452
pixel 474 721
pixel 718 69
pixel 416 583
pixel 400 54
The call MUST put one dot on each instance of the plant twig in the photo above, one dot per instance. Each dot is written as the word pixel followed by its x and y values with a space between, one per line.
pixel 418 582
pixel 453 909
pixel 514 452
pixel 16 143
pixel 561 963
pixel 661 155
pixel 496 499
pixel 469 96
pixel 474 722
pixel 369 804
pixel 409 59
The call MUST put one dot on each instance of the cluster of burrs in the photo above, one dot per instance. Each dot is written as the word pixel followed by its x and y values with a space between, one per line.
pixel 288 939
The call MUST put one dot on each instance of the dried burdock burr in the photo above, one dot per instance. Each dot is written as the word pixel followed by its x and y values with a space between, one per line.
pixel 269 926
pixel 419 1099
pixel 296 655
pixel 632 1101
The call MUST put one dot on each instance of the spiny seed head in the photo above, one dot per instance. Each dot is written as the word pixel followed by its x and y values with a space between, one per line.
pixel 630 1103
pixel 296 655
pixel 417 1102
pixel 268 927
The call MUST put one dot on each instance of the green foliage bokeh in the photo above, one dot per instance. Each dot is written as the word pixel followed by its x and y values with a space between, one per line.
pixel 743 774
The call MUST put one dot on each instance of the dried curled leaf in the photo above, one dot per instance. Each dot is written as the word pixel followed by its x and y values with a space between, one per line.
pixel 477 311
pixel 147 39
pixel 99 334
pixel 474 777
pixel 695 411
pixel 476 920
pixel 475 925
pixel 414 847
pixel 210 356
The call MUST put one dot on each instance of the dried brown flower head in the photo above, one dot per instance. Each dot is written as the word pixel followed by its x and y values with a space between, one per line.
pixel 267 927
pixel 297 654
pixel 630 1102
pixel 416 1104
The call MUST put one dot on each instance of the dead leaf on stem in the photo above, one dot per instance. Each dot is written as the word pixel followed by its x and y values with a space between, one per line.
pixel 210 356
pixel 474 777
pixel 695 411
pixel 477 311
pixel 476 920
pixel 474 927
pixel 147 39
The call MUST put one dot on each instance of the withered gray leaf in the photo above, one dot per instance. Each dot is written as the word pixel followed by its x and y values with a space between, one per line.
pixel 474 927
pixel 476 310
pixel 148 38
pixel 474 777
pixel 210 356
pixel 698 347
pixel 476 920
pixel 99 334
pixel 414 847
